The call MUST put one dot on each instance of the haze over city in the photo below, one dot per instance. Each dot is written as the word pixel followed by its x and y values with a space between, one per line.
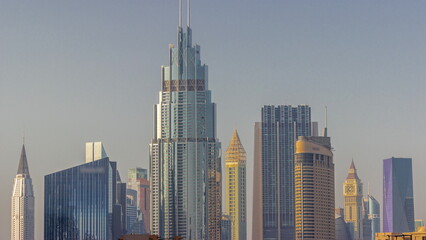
pixel 79 71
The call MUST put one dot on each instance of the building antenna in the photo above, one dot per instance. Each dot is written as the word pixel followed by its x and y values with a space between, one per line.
pixel 325 127
pixel 188 13
pixel 180 13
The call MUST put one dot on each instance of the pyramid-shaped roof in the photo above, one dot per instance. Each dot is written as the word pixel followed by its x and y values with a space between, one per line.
pixel 352 171
pixel 23 163
pixel 235 151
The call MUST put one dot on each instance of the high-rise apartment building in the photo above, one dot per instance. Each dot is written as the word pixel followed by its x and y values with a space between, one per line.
pixel 82 202
pixel 398 201
pixel 22 202
pixel 314 189
pixel 274 167
pixel 235 181
pixel 138 180
pixel 352 192
pixel 95 151
pixel 185 154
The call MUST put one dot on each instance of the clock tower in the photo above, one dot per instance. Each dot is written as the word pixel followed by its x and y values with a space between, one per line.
pixel 352 192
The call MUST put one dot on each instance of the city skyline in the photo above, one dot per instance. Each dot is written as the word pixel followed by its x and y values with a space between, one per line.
pixel 47 92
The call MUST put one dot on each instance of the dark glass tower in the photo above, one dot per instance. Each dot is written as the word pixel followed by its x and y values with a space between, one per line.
pixel 398 201
pixel 281 125
pixel 80 202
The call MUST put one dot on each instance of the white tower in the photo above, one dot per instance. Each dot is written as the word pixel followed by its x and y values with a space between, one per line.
pixel 22 202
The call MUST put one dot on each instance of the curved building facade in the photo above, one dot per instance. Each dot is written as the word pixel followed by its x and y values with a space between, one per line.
pixel 314 189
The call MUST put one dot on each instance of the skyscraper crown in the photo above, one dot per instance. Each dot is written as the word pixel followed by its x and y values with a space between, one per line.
pixel 23 164
pixel 352 171
pixel 235 151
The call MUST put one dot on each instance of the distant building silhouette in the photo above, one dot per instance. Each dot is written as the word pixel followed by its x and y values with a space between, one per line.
pixel 137 179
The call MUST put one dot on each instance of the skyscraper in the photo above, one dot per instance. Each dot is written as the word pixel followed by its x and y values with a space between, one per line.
pixel 138 180
pixel 82 202
pixel 185 154
pixel 373 215
pixel 257 220
pixel 235 178
pixel 398 201
pixel 314 189
pixel 280 127
pixel 352 192
pixel 22 202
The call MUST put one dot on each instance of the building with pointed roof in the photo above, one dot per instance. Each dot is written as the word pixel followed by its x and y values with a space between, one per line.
pixel 185 153
pixel 22 216
pixel 352 192
pixel 235 180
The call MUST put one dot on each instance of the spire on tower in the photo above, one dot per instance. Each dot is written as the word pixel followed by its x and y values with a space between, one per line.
pixel 324 133
pixel 23 164
pixel 352 171
pixel 188 13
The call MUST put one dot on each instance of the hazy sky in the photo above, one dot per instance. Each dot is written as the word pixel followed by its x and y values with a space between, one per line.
pixel 77 71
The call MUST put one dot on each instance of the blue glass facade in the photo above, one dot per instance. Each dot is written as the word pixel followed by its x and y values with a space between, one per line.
pixel 374 215
pixel 79 202
pixel 398 201
pixel 281 125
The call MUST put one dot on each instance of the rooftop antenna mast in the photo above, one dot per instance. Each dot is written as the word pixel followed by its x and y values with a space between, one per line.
pixel 188 13
pixel 325 127
pixel 180 13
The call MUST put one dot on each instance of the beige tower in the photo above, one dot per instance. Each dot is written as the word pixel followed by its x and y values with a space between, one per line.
pixel 314 189
pixel 352 192
pixel 235 178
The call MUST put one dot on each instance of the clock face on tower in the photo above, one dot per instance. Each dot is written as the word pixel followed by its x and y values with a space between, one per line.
pixel 349 189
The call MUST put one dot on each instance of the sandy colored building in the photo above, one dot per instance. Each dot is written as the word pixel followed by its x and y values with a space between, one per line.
pixel 314 189
pixel 235 178
pixel 419 235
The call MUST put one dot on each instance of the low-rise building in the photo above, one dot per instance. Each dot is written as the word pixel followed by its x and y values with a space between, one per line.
pixel 419 235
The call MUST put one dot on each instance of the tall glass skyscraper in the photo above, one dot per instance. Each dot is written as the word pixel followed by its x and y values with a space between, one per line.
pixel 79 202
pixel 398 201
pixel 280 127
pixel 185 154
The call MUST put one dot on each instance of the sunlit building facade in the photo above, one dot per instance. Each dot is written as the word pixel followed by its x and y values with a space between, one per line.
pixel 314 189
pixel 22 221
pixel 235 181
pixel 398 200
pixel 353 204
pixel 185 154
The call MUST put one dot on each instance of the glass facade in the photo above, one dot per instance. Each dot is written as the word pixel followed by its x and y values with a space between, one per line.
pixel 398 201
pixel 281 125
pixel 185 155
pixel 374 215
pixel 79 202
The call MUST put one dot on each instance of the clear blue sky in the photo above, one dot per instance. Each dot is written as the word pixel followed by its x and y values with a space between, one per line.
pixel 77 71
